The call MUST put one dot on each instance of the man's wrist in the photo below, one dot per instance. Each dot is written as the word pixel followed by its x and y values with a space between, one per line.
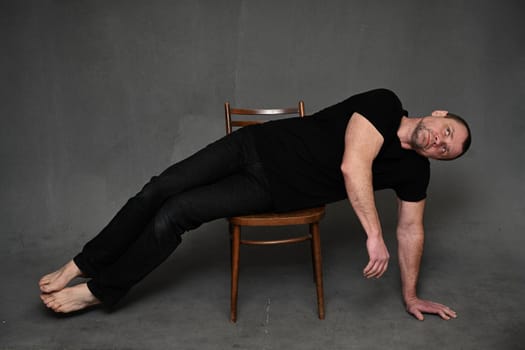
pixel 376 234
pixel 409 297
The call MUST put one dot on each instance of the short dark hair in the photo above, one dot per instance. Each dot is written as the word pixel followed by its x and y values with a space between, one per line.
pixel 468 140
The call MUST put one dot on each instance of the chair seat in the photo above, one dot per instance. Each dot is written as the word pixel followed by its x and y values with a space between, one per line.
pixel 298 217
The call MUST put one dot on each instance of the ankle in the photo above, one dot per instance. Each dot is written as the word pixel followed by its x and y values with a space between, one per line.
pixel 72 268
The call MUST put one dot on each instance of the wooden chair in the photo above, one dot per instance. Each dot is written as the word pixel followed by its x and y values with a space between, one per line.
pixel 309 217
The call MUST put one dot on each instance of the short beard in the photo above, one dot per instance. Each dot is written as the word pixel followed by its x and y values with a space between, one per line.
pixel 420 127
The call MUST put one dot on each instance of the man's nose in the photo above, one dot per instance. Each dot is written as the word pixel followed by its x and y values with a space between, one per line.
pixel 437 140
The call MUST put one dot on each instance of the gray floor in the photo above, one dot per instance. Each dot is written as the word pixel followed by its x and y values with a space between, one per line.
pixel 185 303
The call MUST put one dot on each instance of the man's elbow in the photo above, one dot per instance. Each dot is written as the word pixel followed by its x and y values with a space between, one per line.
pixel 346 169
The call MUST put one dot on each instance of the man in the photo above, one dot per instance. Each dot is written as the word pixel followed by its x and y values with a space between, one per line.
pixel 348 150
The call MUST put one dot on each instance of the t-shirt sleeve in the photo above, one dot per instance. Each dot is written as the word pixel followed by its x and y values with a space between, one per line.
pixel 414 188
pixel 382 108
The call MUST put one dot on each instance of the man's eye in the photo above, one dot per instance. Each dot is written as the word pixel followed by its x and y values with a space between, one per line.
pixel 444 150
pixel 447 132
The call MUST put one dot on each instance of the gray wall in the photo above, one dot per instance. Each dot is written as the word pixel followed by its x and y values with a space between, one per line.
pixel 97 96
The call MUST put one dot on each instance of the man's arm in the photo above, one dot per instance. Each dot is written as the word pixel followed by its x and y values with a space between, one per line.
pixel 362 144
pixel 410 237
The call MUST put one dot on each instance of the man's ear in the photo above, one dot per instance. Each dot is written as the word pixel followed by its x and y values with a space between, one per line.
pixel 439 113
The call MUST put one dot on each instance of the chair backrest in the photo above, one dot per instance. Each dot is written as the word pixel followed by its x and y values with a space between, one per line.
pixel 239 117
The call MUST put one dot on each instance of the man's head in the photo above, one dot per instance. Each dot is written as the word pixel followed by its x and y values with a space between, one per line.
pixel 443 136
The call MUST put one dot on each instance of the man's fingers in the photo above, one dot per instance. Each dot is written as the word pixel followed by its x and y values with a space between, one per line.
pixel 443 315
pixel 446 313
pixel 431 308
pixel 383 269
pixel 375 269
pixel 372 269
pixel 367 268
pixel 449 312
pixel 418 314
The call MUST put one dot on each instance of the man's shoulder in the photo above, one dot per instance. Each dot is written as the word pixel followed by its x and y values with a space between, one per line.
pixel 384 92
pixel 383 95
pixel 382 108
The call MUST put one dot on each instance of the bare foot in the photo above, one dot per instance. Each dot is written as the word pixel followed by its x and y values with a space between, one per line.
pixel 70 299
pixel 59 279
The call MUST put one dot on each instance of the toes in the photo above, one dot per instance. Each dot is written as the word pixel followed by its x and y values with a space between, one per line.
pixel 43 283
pixel 55 306
pixel 50 285
pixel 47 289
pixel 46 297
pixel 54 302
pixel 44 279
pixel 69 299
pixel 49 300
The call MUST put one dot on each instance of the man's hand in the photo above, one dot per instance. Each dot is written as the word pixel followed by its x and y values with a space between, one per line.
pixel 378 254
pixel 418 306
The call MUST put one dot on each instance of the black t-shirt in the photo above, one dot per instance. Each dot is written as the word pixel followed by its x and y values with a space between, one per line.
pixel 302 156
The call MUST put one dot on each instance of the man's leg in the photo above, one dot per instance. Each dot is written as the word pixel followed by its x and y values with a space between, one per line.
pixel 235 195
pixel 219 159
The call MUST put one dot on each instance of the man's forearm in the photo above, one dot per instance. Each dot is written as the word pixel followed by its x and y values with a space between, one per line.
pixel 361 196
pixel 410 250
pixel 358 183
pixel 410 242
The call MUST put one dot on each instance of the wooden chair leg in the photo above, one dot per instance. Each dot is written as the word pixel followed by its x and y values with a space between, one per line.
pixel 313 255
pixel 230 233
pixel 316 247
pixel 235 252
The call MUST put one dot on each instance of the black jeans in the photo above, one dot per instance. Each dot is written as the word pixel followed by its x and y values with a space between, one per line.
pixel 223 179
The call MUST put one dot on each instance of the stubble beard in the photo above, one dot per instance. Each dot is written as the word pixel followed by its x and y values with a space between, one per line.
pixel 420 129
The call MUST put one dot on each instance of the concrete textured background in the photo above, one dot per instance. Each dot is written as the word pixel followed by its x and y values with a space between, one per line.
pixel 98 96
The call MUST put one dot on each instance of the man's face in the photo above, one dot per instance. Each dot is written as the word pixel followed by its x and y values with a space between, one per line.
pixel 438 137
